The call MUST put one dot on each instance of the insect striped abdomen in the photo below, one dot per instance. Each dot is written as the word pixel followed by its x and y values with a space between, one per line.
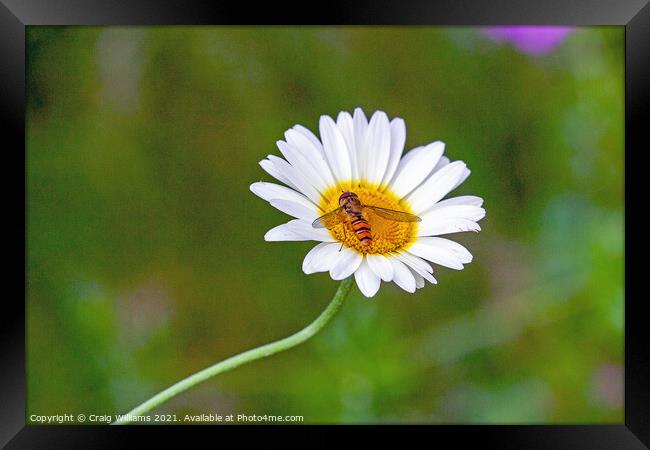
pixel 361 228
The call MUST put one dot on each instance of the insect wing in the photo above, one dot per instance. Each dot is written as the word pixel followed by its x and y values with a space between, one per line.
pixel 329 220
pixel 391 214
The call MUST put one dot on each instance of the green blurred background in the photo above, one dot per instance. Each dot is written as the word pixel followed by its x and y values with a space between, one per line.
pixel 146 258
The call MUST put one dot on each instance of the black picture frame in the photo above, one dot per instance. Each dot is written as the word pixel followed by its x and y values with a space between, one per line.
pixel 634 15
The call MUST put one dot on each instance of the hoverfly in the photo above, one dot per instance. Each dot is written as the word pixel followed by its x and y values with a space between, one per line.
pixel 351 208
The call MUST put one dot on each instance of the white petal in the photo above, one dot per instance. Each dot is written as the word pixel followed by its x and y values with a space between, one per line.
pixel 442 163
pixel 304 165
pixel 415 167
pixel 366 279
pixel 312 151
pixel 461 200
pixel 304 228
pixel 381 266
pixel 451 211
pixel 283 233
pixel 296 178
pixel 413 152
pixel 360 129
pixel 463 255
pixel 321 258
pixel 415 262
pixel 272 191
pixel 447 226
pixel 336 152
pixel 297 230
pixel 402 276
pixel 419 279
pixel 311 254
pixel 462 179
pixel 436 187
pixel 428 277
pixel 311 136
pixel 425 276
pixel 436 254
pixel 346 126
pixel 377 147
pixel 295 209
pixel 418 265
pixel 269 167
pixel 347 264
pixel 397 140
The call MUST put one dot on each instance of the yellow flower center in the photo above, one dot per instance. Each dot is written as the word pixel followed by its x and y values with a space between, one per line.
pixel 387 235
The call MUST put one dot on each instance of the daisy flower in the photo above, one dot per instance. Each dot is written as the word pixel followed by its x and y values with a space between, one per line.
pixel 388 215
pixel 354 155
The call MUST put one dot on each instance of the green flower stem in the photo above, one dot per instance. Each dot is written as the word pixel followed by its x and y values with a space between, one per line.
pixel 243 358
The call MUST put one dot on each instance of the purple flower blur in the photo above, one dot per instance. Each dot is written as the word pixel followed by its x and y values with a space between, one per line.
pixel 534 40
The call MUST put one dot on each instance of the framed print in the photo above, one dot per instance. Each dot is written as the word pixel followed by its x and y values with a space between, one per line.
pixel 393 215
